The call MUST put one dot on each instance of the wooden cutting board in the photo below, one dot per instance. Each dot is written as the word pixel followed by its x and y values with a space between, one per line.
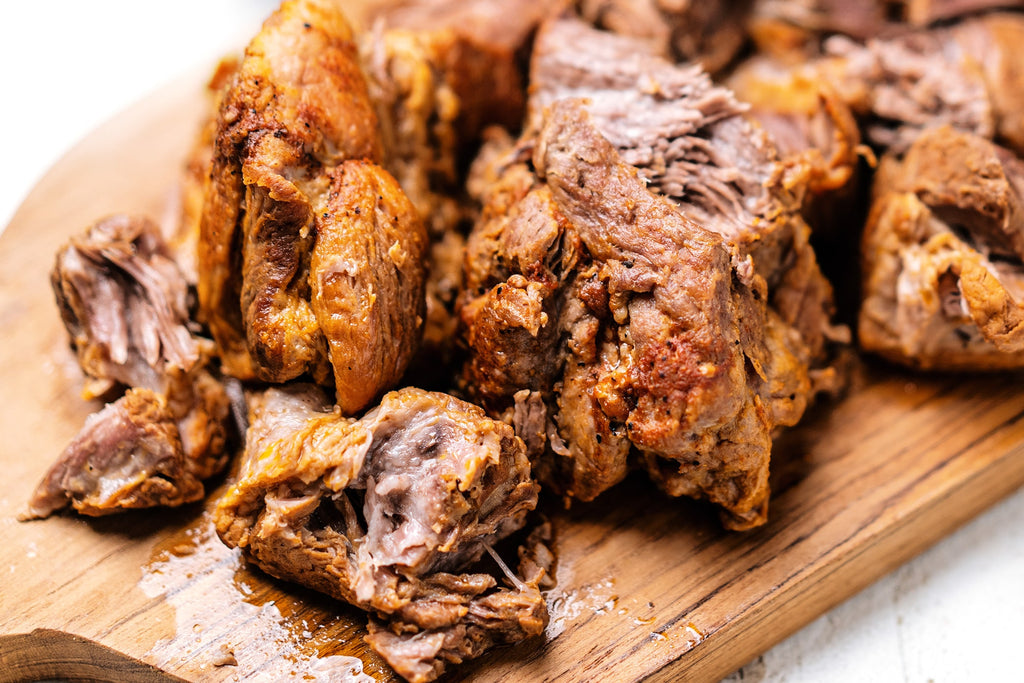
pixel 647 586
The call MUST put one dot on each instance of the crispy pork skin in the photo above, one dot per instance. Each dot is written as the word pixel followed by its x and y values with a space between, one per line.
pixel 300 222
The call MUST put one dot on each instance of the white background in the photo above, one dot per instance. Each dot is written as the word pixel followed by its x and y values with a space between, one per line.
pixel 954 614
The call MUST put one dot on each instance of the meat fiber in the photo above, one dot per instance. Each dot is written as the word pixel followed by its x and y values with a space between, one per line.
pixel 438 73
pixel 643 293
pixel 384 511
pixel 966 75
pixel 942 253
pixel 710 31
pixel 690 141
pixel 123 301
pixel 127 456
pixel 812 128
pixel 794 28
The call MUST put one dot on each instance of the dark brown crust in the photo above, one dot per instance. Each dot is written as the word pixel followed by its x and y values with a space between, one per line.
pixel 297 107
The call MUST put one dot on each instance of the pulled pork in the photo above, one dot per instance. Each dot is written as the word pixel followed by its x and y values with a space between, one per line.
pixel 942 253
pixel 123 301
pixel 384 511
pixel 640 291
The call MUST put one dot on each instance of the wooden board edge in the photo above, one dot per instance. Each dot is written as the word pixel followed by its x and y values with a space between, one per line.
pixel 47 654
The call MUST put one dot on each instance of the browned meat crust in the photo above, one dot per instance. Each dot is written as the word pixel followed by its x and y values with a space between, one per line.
pixel 813 129
pixel 127 456
pixel 381 511
pixel 184 241
pixel 298 89
pixel 366 276
pixel 303 234
pixel 438 73
pixel 943 281
pixel 682 389
pixel 691 142
pixel 644 293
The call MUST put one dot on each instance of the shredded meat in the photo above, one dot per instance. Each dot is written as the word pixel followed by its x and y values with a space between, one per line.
pixel 381 511
pixel 123 302
pixel 127 456
pixel 690 141
pixel 707 31
pixel 942 251
pixel 792 29
pixel 966 75
pixel 438 74
pixel 811 126
pixel 644 292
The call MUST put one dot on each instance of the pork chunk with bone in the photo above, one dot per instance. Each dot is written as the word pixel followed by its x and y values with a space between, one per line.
pixel 942 256
pixel 387 512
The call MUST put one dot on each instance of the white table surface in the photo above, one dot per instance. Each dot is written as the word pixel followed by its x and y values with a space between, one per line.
pixel 956 613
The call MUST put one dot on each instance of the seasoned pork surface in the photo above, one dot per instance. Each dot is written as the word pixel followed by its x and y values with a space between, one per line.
pixel 942 252
pixel 690 141
pixel 382 512
pixel 184 241
pixel 643 293
pixel 812 128
pixel 438 74
pixel 296 194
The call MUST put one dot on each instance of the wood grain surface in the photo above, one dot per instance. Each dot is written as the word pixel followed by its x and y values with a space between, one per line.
pixel 648 587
